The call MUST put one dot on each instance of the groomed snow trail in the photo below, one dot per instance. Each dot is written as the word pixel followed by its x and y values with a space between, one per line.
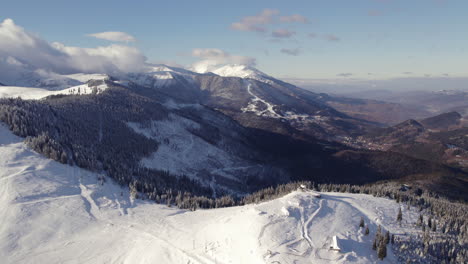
pixel 53 213
pixel 252 106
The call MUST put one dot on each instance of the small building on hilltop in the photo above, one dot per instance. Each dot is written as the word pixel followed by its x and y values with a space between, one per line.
pixel 335 246
pixel 304 188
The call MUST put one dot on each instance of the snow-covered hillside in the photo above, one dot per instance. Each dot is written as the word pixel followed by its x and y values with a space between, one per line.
pixel 183 153
pixel 159 76
pixel 28 93
pixel 54 213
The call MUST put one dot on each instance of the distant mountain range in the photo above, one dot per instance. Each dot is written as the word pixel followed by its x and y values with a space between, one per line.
pixel 441 138
pixel 230 131
pixel 429 103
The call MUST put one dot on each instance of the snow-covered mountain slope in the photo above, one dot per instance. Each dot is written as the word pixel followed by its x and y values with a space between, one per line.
pixel 26 76
pixel 54 213
pixel 243 71
pixel 160 76
pixel 85 77
pixel 244 92
pixel 202 144
pixel 38 93
pixel 46 81
pixel 183 153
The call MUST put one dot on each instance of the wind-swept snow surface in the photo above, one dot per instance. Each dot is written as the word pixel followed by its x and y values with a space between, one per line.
pixel 54 213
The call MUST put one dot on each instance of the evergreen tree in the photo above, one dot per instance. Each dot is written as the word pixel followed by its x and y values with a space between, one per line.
pixel 420 220
pixel 367 231
pixel 361 223
pixel 400 215
pixel 387 237
pixel 382 250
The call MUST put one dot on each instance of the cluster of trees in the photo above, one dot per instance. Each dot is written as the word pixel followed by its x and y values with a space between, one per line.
pixel 380 243
pixel 444 223
pixel 381 239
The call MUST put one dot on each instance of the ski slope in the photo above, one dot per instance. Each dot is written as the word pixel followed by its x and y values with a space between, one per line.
pixel 54 213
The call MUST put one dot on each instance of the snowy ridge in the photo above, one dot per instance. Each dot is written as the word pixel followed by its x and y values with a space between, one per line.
pixel 53 213
pixel 152 79
pixel 85 77
pixel 28 93
pixel 242 71
pixel 25 77
pixel 235 70
pixel 42 80
pixel 159 76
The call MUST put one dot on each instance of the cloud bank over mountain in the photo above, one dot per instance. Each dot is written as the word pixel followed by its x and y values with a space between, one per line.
pixel 213 58
pixel 20 49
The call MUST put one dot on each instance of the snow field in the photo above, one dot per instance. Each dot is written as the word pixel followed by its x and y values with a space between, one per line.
pixel 54 213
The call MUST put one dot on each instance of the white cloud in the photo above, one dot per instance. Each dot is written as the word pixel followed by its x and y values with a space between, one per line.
pixel 19 48
pixel 256 23
pixel 344 74
pixel 332 38
pixel 291 52
pixel 259 22
pixel 296 18
pixel 210 59
pixel 114 36
pixel 282 33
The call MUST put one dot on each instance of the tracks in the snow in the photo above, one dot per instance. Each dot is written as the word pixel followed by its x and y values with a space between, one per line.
pixel 305 225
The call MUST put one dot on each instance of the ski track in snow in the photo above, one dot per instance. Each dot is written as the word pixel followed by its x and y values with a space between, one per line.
pixel 271 113
pixel 53 213
pixel 252 107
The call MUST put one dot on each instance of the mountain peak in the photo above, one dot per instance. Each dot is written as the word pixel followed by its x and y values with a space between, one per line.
pixel 165 68
pixel 238 70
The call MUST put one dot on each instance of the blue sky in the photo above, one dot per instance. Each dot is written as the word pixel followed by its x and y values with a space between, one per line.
pixel 350 38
